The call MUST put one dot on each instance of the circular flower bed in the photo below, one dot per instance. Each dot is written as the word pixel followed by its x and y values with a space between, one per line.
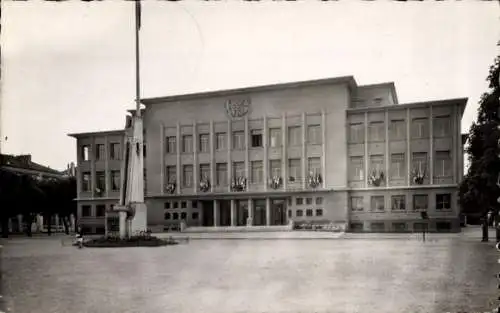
pixel 134 241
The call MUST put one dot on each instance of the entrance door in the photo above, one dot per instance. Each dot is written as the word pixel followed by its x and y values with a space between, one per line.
pixel 208 213
pixel 278 212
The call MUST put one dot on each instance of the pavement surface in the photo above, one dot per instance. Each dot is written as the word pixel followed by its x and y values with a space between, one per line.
pixel 374 273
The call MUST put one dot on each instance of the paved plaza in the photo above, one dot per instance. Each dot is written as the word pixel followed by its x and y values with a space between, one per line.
pixel 397 273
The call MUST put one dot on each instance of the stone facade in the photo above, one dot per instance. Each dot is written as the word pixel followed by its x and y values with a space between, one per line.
pixel 304 151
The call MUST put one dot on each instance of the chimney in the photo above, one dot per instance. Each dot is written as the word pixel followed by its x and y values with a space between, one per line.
pixel 25 159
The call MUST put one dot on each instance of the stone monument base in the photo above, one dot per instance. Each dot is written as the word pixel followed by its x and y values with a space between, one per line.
pixel 139 221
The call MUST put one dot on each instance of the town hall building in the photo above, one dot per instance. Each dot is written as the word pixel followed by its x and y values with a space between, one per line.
pixel 321 151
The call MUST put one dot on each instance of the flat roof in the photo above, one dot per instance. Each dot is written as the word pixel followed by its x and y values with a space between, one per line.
pixel 391 85
pixel 325 81
pixel 100 133
pixel 461 101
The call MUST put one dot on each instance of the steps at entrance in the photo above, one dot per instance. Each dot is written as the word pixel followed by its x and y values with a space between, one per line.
pixel 236 229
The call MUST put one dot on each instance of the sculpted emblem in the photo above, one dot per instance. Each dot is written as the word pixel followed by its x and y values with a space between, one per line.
pixel 237 108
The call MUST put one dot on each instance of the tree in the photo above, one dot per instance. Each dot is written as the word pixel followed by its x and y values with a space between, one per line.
pixel 478 190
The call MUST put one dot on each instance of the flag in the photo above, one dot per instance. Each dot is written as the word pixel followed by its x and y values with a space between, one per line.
pixel 138 14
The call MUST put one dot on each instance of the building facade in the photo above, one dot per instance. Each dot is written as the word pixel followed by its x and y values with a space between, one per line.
pixel 323 151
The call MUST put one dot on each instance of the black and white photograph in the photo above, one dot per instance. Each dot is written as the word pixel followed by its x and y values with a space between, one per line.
pixel 238 156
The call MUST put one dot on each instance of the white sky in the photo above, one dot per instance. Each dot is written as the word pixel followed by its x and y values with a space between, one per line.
pixel 69 67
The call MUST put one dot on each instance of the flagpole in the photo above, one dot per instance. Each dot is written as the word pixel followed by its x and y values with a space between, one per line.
pixel 137 71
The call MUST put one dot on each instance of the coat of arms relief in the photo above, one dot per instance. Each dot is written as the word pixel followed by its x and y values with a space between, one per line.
pixel 236 109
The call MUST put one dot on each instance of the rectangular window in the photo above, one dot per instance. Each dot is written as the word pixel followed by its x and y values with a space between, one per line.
pixel 299 201
pixel 275 137
pixel 420 202
pixel 86 211
pixel 319 200
pixel 419 161
pixel 356 168
pixel 309 201
pixel 294 170
pixel 319 212
pixel 275 168
pixel 187 175
pixel 238 169
pixel 443 201
pixel 187 144
pixel 314 166
pixel 204 142
pixel 398 168
pixel 294 136
pixel 85 152
pixel 420 128
pixel 376 132
pixel 398 203
pixel 257 174
pixel 171 174
pixel 86 181
pixel 357 204
pixel 356 133
pixel 377 163
pixel 256 138
pixel 204 171
pixel 115 180
pixel 114 151
pixel 239 140
pixel 167 205
pixel 314 134
pixel 221 171
pixel 377 203
pixel 100 180
pixel 100 154
pixel 397 130
pixel 171 144
pixel 183 205
pixel 442 126
pixel 443 164
pixel 299 213
pixel 309 212
pixel 100 210
pixel 220 141
pixel 194 204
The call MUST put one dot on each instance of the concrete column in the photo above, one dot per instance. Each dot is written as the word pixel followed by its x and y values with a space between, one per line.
pixel 408 148
pixel 72 222
pixel 459 150
pixel 305 172
pixel 284 147
pixel 163 150
pixel 196 179
pixel 323 149
pixel 39 222
pixel 250 213
pixel 430 157
pixel 107 177
pixel 268 211
pixel 247 144
pixel 387 152
pixel 455 138
pixel 265 141
pixel 93 183
pixel 367 157
pixel 56 224
pixel 212 158
pixel 179 168
pixel 20 222
pixel 233 212
pixel 216 213
pixel 229 148
pixel 123 224
pixel 10 225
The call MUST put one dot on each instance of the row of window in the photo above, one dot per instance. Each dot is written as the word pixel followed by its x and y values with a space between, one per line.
pixel 398 203
pixel 309 212
pixel 398 167
pixel 100 210
pixel 100 151
pixel 183 204
pixel 238 170
pixel 256 140
pixel 397 129
pixel 401 226
pixel 307 201
pixel 182 216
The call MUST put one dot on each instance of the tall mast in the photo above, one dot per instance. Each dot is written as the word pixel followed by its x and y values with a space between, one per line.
pixel 137 71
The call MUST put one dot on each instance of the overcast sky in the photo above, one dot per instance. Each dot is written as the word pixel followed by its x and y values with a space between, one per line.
pixel 69 67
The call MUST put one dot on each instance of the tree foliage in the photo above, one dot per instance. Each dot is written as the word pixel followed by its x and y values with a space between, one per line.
pixel 479 190
pixel 28 196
